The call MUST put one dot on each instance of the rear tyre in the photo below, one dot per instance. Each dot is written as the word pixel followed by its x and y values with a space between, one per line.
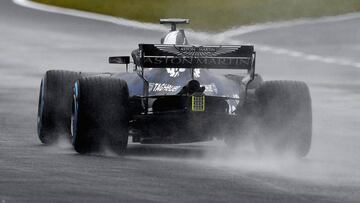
pixel 54 108
pixel 100 114
pixel 285 118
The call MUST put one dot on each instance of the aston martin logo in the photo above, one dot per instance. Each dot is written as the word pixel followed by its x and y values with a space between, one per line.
pixel 186 56
pixel 197 51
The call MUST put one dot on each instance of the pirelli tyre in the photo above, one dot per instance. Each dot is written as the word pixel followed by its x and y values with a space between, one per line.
pixel 54 109
pixel 285 118
pixel 100 115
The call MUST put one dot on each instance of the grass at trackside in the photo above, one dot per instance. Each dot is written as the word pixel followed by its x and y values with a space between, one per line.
pixel 213 15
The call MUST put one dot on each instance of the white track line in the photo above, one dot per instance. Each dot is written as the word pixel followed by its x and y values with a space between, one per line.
pixel 90 15
pixel 221 37
pixel 304 56
pixel 274 25
pixel 309 57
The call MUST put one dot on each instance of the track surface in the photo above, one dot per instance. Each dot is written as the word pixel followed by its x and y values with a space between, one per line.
pixel 33 41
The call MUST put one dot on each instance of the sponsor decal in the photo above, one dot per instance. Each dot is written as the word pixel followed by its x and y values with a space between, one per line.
pixel 233 103
pixel 175 72
pixel 186 56
pixel 185 62
pixel 197 51
pixel 163 87
pixel 210 89
pixel 196 73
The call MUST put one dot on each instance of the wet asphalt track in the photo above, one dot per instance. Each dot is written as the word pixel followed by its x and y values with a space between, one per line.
pixel 33 41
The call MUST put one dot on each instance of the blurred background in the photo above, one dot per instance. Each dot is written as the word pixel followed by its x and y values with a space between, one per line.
pixel 213 15
pixel 323 52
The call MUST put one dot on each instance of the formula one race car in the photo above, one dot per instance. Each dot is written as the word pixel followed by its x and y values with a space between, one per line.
pixel 173 95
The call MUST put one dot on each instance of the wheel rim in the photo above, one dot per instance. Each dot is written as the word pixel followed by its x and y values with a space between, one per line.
pixel 72 120
pixel 74 114
pixel 40 107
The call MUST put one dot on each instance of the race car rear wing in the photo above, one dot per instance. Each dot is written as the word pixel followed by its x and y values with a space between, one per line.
pixel 188 56
pixel 192 57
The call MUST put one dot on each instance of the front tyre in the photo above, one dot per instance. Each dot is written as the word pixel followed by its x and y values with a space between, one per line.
pixel 100 114
pixel 285 122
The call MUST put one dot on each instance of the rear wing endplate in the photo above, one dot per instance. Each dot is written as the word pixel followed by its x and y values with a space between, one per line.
pixel 188 56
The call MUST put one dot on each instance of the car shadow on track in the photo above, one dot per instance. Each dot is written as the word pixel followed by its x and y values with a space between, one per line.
pixel 178 151
pixel 185 151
